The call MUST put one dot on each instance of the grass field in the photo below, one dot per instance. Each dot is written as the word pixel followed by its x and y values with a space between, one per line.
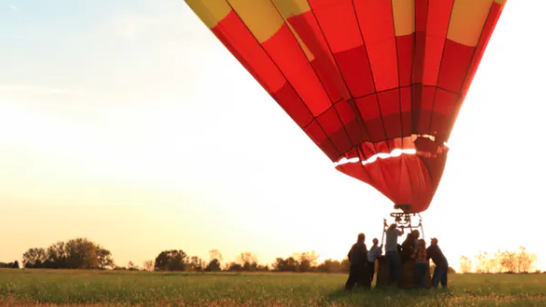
pixel 48 288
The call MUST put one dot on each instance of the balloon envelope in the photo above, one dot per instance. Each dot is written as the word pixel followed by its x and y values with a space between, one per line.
pixel 376 84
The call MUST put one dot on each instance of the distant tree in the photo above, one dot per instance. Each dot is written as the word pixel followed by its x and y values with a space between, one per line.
pixel 248 261
pixel 330 266
pixel 79 253
pixel 82 254
pixel 171 260
pixel 263 268
pixel 34 258
pixel 307 261
pixel 148 265
pixel 484 263
pixel 286 265
pixel 525 261
pixel 196 264
pixel 279 264
pixel 215 261
pixel 57 256
pixel 495 262
pixel 213 266
pixel 105 259
pixel 9 265
pixel 508 261
pixel 132 267
pixel 465 265
pixel 345 265
pixel 215 254
pixel 234 267
pixel 519 261
pixel 292 264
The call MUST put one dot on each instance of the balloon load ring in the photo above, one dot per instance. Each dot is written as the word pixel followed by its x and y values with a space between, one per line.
pixel 406 219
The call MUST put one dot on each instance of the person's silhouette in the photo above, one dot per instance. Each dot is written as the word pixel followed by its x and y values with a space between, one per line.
pixel 373 255
pixel 421 263
pixel 440 261
pixel 358 258
pixel 392 253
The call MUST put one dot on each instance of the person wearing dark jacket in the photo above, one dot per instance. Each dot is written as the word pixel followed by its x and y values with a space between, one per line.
pixel 358 259
pixel 440 272
pixel 408 247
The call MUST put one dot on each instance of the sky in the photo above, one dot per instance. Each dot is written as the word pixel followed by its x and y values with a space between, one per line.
pixel 129 123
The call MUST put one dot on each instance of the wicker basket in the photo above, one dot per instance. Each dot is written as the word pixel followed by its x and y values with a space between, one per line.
pixel 407 275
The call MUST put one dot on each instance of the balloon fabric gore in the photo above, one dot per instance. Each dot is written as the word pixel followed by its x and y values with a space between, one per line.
pixel 364 78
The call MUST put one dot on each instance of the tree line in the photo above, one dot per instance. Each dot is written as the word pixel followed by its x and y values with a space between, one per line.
pixel 517 261
pixel 178 260
pixel 81 253
pixel 9 265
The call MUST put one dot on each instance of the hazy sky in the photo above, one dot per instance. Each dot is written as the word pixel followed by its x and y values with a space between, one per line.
pixel 128 122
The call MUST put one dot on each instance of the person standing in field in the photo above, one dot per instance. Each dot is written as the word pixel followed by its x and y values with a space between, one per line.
pixel 415 233
pixel 409 245
pixel 421 262
pixel 391 251
pixel 373 255
pixel 358 258
pixel 440 272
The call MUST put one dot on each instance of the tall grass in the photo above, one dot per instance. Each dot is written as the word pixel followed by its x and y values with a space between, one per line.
pixel 101 288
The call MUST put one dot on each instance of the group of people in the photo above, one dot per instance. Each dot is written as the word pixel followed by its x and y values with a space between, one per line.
pixel 362 261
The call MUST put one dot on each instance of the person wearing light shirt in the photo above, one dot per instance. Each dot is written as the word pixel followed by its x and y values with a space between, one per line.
pixel 391 251
pixel 373 255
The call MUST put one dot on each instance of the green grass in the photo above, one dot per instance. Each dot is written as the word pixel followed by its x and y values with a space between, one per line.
pixel 32 287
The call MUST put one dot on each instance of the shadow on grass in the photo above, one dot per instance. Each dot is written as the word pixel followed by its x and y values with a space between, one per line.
pixel 376 296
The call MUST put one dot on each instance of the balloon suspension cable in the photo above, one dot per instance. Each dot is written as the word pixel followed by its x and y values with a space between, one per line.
pixel 404 220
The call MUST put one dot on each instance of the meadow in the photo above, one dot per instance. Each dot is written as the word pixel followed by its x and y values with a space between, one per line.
pixel 126 288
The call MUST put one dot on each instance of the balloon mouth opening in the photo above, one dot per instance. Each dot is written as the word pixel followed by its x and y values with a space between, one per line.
pixel 397 152
pixel 393 154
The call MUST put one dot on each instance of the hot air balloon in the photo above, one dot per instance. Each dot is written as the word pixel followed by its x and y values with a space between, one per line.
pixel 376 84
